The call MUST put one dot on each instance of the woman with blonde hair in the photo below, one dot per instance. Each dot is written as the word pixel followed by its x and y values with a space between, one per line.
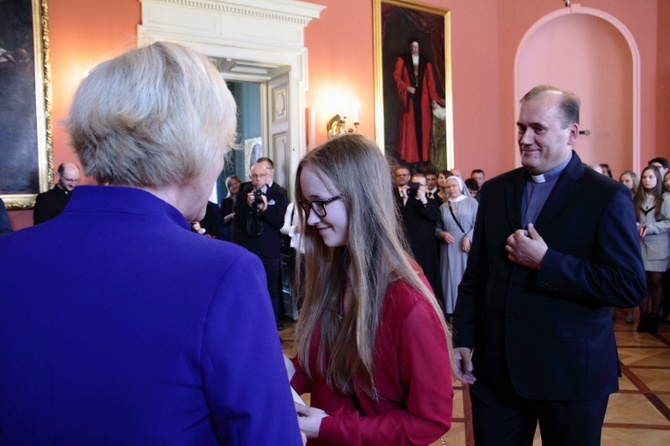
pixel 630 180
pixel 147 335
pixel 233 183
pixel 373 347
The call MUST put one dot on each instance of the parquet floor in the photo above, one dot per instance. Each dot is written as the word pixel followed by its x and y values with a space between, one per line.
pixel 637 415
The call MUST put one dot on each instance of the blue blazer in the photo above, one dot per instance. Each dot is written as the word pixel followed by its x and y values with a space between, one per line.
pixel 118 326
pixel 549 334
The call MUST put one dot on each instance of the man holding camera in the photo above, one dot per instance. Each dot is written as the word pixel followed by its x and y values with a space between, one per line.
pixel 259 214
pixel 419 216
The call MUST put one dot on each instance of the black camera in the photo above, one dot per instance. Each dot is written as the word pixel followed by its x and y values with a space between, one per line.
pixel 413 189
pixel 258 196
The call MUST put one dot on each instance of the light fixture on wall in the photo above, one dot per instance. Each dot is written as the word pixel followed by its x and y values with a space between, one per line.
pixel 337 125
pixel 566 3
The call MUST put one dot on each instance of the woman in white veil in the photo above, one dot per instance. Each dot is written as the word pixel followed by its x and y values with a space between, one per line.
pixel 455 231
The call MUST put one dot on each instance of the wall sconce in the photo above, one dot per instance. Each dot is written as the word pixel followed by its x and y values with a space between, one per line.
pixel 337 125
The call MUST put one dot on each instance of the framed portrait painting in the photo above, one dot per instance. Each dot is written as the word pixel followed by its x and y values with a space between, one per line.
pixel 26 158
pixel 414 121
pixel 253 149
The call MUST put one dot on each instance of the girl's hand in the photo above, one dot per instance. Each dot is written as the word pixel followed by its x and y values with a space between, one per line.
pixel 642 231
pixel 309 419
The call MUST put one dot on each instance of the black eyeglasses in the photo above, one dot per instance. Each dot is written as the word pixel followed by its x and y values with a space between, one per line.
pixel 318 206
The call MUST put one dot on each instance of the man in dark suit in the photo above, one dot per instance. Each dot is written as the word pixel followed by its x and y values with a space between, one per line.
pixel 259 215
pixel 270 179
pixel 555 246
pixel 52 202
pixel 419 217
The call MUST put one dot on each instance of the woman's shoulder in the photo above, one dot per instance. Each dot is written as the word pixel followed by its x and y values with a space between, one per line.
pixel 402 296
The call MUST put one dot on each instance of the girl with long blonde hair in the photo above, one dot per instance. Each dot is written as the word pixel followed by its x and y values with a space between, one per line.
pixel 373 346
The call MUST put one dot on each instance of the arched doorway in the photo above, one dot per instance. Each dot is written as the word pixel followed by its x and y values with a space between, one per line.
pixel 593 54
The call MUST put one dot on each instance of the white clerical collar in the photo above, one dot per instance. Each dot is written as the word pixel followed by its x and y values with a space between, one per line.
pixel 457 199
pixel 538 178
pixel 552 174
pixel 415 59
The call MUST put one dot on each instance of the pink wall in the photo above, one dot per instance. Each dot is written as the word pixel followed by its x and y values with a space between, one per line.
pixel 640 17
pixel 82 33
pixel 663 80
pixel 588 55
pixel 485 37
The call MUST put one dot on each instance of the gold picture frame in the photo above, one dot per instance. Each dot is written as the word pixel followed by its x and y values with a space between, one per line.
pixel 395 22
pixel 26 148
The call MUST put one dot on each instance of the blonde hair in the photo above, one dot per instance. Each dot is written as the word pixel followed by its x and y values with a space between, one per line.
pixel 374 256
pixel 154 116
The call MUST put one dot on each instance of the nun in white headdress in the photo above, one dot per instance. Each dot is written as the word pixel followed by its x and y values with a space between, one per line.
pixel 455 231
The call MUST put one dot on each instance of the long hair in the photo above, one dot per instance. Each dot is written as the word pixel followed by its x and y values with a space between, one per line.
pixel 373 257
pixel 641 194
pixel 232 178
pixel 634 178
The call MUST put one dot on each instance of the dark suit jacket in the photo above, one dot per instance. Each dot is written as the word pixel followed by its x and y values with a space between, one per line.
pixel 549 334
pixel 267 245
pixel 145 336
pixel 49 204
pixel 419 227
pixel 212 223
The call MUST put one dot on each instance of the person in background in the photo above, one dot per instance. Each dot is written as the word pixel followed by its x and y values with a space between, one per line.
pixel 5 224
pixel 555 247
pixel 210 225
pixel 653 222
pixel 152 334
pixel 418 217
pixel 431 182
pixel 629 179
pixel 233 184
pixel 479 176
pixel 402 177
pixel 662 164
pixel 606 169
pixel 373 347
pixel 291 228
pixel 442 195
pixel 259 215
pixel 666 277
pixel 52 202
pixel 473 188
pixel 269 180
pixel 455 230
pixel 598 168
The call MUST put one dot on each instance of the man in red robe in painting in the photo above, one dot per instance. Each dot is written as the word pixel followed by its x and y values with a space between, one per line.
pixel 415 85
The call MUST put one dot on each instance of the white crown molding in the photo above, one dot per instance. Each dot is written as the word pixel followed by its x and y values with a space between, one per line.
pixel 289 11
